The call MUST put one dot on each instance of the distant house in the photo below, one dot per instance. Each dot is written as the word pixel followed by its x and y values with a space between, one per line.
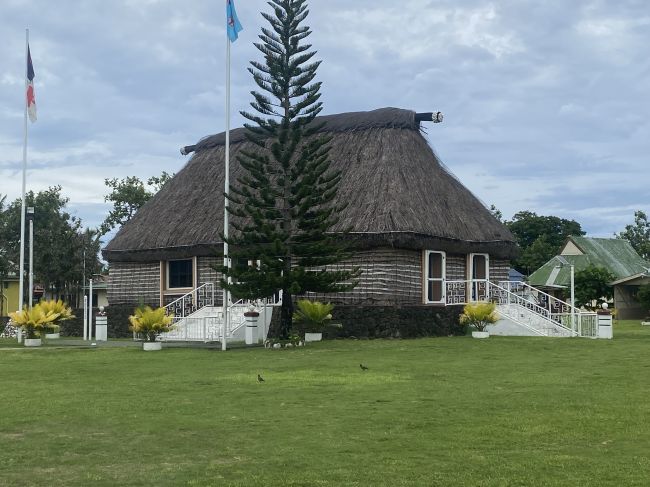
pixel 100 292
pixel 418 234
pixel 9 295
pixel 615 255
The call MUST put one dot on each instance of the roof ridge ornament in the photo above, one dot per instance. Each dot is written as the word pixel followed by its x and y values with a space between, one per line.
pixel 435 117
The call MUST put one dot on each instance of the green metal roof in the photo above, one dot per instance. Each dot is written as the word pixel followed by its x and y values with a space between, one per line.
pixel 614 254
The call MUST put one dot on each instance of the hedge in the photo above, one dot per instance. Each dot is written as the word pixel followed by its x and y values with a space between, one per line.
pixel 407 321
pixel 117 319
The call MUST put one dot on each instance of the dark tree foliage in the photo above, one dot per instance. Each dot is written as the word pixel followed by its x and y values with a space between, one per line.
pixel 638 234
pixel 128 195
pixel 496 213
pixel 61 245
pixel 592 284
pixel 540 238
pixel 284 205
pixel 643 296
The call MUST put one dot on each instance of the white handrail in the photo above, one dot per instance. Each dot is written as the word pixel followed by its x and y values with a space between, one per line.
pixel 191 301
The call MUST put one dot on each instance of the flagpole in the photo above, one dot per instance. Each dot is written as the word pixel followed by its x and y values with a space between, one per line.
pixel 21 287
pixel 226 258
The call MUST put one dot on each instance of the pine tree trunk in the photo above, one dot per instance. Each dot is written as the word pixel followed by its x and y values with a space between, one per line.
pixel 286 314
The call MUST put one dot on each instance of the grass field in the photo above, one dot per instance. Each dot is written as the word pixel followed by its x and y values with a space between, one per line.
pixel 428 412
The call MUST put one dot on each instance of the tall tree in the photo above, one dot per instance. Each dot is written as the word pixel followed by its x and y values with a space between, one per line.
pixel 539 238
pixel 128 195
pixel 59 243
pixel 638 234
pixel 284 204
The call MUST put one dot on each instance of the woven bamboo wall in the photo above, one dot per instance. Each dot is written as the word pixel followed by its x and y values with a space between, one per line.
pixel 205 269
pixel 499 270
pixel 390 276
pixel 456 269
pixel 130 282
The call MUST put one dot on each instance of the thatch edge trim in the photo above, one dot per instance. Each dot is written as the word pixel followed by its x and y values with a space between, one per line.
pixel 502 249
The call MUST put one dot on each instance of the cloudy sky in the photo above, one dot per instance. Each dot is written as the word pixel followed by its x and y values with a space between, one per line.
pixel 546 103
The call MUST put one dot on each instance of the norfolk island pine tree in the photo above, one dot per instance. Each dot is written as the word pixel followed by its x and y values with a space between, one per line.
pixel 284 205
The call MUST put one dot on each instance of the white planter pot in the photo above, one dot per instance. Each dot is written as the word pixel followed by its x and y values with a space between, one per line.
pixel 151 346
pixel 50 336
pixel 313 337
pixel 33 342
pixel 480 334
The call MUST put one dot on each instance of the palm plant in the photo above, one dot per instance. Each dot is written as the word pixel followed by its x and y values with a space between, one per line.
pixel 479 315
pixel 34 321
pixel 151 322
pixel 313 315
pixel 63 311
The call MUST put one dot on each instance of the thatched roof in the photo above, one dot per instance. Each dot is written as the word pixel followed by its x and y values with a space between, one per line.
pixel 399 195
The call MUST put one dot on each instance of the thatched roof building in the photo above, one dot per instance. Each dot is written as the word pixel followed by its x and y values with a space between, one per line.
pixel 399 195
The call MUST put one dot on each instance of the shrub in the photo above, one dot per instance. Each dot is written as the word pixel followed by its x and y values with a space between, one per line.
pixel 34 321
pixel 479 315
pixel 313 315
pixel 59 308
pixel 150 322
pixel 643 296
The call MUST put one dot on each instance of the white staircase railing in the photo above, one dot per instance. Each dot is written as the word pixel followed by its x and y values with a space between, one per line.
pixel 538 311
pixel 193 301
pixel 206 323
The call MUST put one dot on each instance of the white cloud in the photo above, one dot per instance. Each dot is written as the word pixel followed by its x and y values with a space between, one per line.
pixel 545 102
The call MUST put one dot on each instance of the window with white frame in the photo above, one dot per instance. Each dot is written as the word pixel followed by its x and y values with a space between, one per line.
pixel 479 274
pixel 479 267
pixel 180 274
pixel 434 269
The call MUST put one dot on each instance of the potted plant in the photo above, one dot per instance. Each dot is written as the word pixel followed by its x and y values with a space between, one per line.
pixel 149 323
pixel 313 316
pixel 33 322
pixel 479 315
pixel 61 309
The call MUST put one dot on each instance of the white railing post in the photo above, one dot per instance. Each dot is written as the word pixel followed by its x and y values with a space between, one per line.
pixel 205 329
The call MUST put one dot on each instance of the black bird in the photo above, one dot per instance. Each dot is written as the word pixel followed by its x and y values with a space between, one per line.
pixel 260 378
pixel 363 367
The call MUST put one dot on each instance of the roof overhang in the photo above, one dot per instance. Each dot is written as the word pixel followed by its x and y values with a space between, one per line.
pixel 641 277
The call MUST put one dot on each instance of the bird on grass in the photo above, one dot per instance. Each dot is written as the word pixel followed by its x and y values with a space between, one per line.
pixel 363 367
pixel 260 378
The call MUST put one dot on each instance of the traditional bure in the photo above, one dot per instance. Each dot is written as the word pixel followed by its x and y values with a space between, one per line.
pixel 415 227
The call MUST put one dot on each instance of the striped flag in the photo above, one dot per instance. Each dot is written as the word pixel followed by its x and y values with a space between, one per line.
pixel 232 22
pixel 31 99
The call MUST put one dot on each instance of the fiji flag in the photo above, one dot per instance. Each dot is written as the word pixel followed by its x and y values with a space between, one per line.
pixel 31 99
pixel 232 22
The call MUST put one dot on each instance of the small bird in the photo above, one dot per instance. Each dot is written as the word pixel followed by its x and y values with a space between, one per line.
pixel 363 367
pixel 260 378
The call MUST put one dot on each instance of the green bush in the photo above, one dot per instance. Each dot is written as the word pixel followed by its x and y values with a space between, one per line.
pixel 313 316
pixel 406 321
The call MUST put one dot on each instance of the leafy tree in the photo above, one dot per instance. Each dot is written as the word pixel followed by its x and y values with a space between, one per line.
pixel 284 203
pixel 638 234
pixel 496 213
pixel 643 296
pixel 539 238
pixel 60 243
pixel 592 284
pixel 128 195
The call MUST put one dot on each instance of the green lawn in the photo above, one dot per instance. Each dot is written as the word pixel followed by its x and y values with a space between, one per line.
pixel 429 412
